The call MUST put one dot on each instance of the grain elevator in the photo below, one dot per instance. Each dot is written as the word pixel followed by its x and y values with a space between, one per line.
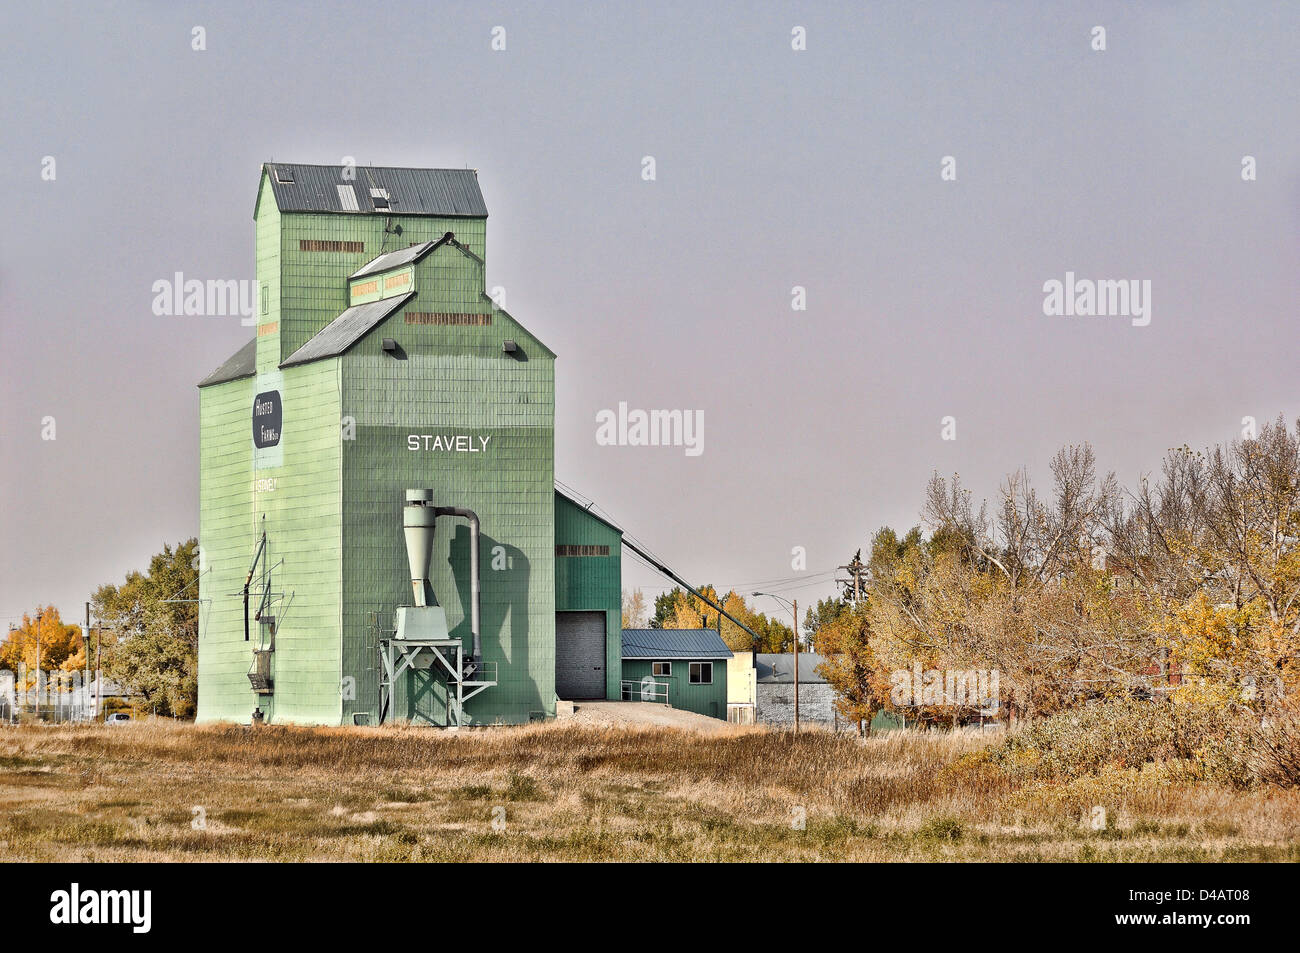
pixel 379 524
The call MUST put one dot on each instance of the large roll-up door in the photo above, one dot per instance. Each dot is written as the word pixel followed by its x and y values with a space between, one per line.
pixel 580 655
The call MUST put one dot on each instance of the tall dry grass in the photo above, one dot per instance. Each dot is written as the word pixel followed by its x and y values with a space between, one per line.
pixel 568 792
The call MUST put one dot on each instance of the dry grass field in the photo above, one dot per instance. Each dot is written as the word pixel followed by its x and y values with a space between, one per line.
pixel 164 791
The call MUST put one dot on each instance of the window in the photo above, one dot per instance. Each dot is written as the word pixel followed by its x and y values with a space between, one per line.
pixel 440 317
pixel 322 244
pixel 567 549
pixel 701 673
pixel 266 300
pixel 661 668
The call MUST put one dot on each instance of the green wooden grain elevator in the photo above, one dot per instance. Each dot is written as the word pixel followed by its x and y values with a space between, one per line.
pixel 384 387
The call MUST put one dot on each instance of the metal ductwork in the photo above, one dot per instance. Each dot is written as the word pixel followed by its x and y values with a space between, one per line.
pixel 418 518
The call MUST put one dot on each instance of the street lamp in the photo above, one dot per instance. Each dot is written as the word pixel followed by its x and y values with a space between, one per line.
pixel 794 612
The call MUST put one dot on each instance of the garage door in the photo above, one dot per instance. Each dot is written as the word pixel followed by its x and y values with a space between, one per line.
pixel 580 655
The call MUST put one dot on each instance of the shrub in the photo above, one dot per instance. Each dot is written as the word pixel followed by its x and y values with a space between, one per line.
pixel 942 828
pixel 1197 741
pixel 1278 746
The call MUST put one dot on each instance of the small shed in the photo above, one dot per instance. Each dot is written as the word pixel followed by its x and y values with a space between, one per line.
pixel 684 668
pixel 774 694
pixel 774 690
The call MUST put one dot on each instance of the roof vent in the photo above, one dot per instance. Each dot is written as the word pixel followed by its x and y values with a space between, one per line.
pixel 390 345
pixel 509 347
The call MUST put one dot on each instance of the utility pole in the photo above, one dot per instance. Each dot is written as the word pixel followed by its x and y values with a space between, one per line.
pixel 21 673
pixel 856 568
pixel 794 609
pixel 85 642
pixel 796 666
pixel 99 672
pixel 38 666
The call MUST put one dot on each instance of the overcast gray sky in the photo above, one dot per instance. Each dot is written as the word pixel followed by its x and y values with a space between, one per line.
pixel 775 168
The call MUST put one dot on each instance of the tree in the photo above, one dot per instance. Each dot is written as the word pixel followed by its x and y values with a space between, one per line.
pixel 155 618
pixel 1188 588
pixel 817 618
pixel 635 612
pixel 678 609
pixel 62 647
pixel 850 665
pixel 665 606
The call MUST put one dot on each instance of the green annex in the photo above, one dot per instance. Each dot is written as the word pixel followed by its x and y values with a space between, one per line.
pixel 684 668
pixel 381 537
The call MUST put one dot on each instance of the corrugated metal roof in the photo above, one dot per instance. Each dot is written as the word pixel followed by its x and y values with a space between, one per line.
pixel 243 363
pixel 346 330
pixel 315 188
pixel 674 644
pixel 395 259
pixel 778 669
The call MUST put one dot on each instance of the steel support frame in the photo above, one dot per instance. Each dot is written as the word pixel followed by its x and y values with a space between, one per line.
pixel 396 656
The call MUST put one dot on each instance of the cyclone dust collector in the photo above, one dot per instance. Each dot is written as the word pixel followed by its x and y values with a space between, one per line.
pixel 421 640
pixel 426 619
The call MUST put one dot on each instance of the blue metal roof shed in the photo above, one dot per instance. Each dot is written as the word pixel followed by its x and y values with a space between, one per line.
pixel 674 644
pixel 686 668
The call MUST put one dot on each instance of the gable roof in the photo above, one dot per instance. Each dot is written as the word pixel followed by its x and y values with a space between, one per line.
pixel 778 668
pixel 406 256
pixel 674 644
pixel 586 508
pixel 243 363
pixel 323 188
pixel 396 259
pixel 346 330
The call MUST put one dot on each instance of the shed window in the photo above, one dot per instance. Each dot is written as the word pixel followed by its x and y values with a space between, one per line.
pixel 701 673
pixel 661 668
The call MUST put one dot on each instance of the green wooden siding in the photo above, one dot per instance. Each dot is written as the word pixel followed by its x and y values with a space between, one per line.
pixel 591 583
pixel 705 699
pixel 267 256
pixel 454 381
pixel 225 543
pixel 315 283
pixel 332 496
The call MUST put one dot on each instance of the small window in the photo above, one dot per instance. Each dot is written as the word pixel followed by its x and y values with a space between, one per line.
pixel 325 244
pixel 664 669
pixel 701 673
pixel 283 176
pixel 379 197
pixel 266 300
pixel 567 549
